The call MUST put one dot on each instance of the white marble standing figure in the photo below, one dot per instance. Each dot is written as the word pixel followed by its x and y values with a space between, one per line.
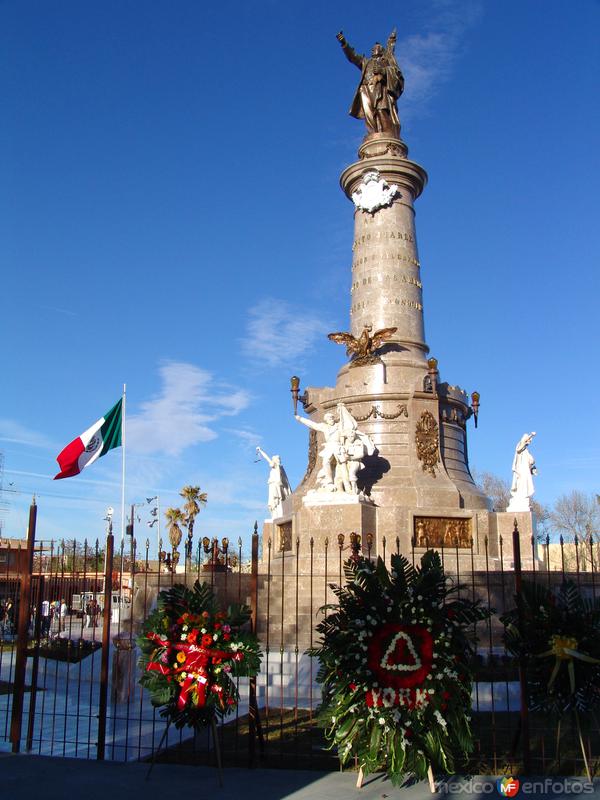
pixel 523 469
pixel 329 450
pixel 279 485
pixel 342 451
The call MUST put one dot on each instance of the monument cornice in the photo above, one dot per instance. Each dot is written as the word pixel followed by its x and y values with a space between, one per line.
pixel 393 169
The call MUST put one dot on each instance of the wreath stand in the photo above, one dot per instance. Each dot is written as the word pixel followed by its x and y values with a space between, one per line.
pixel 255 726
pixel 215 737
pixel 557 751
pixel 361 777
pixel 581 742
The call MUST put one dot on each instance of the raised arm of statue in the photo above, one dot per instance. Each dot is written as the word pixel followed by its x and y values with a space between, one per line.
pixel 315 426
pixel 391 44
pixel 265 456
pixel 396 78
pixel 349 52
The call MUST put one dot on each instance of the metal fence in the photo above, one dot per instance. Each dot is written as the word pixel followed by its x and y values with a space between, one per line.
pixel 68 657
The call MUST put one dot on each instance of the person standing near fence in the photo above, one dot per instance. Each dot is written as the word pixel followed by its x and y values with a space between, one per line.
pixel 9 614
pixel 63 616
pixel 95 609
pixel 55 614
pixel 46 618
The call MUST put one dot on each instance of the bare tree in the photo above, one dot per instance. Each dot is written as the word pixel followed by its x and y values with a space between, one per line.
pixel 576 514
pixel 498 490
pixel 543 518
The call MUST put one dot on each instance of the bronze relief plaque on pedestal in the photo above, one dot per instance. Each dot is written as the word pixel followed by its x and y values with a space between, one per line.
pixel 442 532
pixel 284 537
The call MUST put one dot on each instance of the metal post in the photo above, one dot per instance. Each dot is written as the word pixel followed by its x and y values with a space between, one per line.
pixel 16 720
pixel 522 674
pixel 36 660
pixel 103 701
pixel 253 705
pixel 158 529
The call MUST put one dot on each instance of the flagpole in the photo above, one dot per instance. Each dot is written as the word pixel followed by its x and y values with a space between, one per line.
pixel 123 466
pixel 158 526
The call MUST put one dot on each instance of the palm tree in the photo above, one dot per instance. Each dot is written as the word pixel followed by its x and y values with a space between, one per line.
pixel 175 517
pixel 195 499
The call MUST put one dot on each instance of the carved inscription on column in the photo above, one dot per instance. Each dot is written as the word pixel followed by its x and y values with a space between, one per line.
pixel 427 441
pixel 442 532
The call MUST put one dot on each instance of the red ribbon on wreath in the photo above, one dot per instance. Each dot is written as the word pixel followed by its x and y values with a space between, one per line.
pixel 196 666
pixel 400 656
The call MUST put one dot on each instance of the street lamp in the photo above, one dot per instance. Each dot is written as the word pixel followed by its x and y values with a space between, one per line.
pixel 475 398
pixel 219 559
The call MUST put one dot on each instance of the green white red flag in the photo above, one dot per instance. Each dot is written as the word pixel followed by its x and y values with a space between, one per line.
pixel 102 436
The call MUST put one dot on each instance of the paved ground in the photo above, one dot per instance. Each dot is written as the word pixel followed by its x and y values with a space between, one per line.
pixel 40 778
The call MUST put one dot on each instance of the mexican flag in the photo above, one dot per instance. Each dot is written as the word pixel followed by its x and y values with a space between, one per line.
pixel 101 437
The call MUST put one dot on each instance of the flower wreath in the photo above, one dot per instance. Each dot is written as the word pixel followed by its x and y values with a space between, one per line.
pixel 557 633
pixel 191 652
pixel 394 655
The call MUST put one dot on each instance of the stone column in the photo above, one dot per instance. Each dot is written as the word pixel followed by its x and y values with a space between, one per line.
pixel 386 283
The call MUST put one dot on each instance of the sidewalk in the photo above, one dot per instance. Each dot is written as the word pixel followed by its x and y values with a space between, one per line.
pixel 40 778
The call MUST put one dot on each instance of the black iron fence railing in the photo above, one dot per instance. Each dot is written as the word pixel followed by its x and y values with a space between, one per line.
pixel 70 614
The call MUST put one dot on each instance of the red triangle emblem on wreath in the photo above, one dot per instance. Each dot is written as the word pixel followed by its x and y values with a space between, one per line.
pixel 401 654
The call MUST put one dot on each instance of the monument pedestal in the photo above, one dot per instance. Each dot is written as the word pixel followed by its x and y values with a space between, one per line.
pixel 502 526
pixel 311 534
pixel 326 521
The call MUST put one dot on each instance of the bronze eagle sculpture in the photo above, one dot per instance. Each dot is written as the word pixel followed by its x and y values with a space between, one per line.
pixel 363 350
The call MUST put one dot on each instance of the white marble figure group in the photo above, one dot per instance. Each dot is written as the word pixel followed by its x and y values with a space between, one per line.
pixel 342 451
pixel 523 470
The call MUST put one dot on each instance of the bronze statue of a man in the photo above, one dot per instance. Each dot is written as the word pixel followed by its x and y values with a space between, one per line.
pixel 381 84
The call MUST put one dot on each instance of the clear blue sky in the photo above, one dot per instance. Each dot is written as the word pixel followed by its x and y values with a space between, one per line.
pixel 170 217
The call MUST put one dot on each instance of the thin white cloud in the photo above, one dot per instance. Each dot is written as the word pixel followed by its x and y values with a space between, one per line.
pixel 250 439
pixel 427 60
pixel 223 493
pixel 585 462
pixel 278 335
pixel 181 415
pixel 13 431
pixel 50 475
pixel 67 312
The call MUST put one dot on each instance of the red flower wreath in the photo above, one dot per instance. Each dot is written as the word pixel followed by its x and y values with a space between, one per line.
pixel 192 654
